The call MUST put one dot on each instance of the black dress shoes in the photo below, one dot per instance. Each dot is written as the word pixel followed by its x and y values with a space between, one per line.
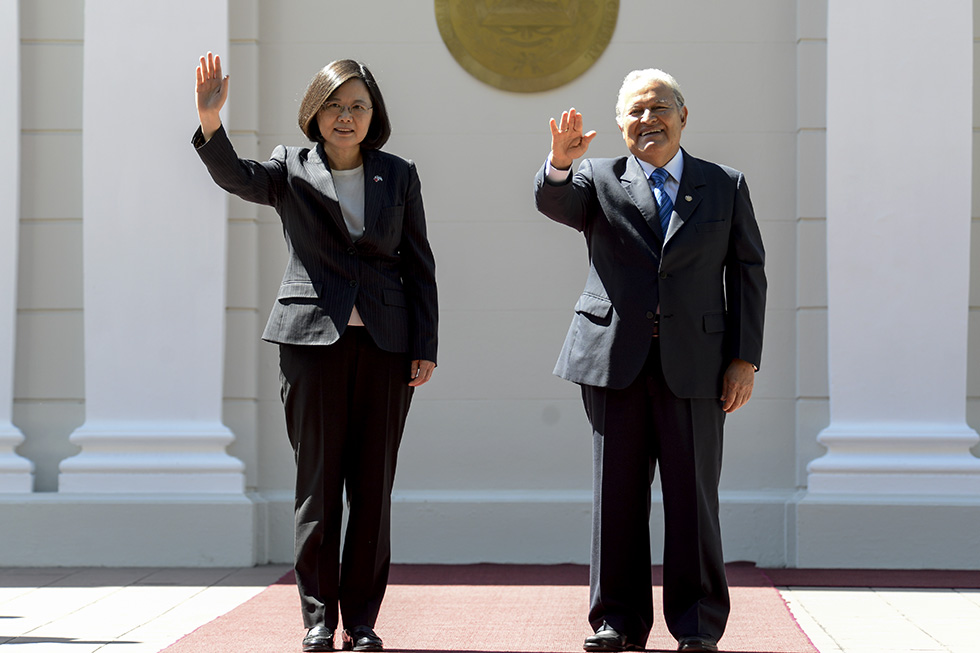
pixel 697 644
pixel 318 638
pixel 608 638
pixel 362 638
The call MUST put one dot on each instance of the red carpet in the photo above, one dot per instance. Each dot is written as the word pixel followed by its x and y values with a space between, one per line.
pixel 886 578
pixel 493 608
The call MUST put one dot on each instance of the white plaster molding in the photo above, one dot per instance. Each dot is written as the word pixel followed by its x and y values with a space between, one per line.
pixel 16 472
pixel 922 459
pixel 151 457
pixel 492 496
pixel 894 531
pixel 155 242
pixel 898 255
pixel 547 526
pixel 128 530
pixel 541 496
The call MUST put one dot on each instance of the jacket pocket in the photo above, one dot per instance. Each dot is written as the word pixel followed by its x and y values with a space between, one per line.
pixel 707 227
pixel 297 291
pixel 714 322
pixel 594 305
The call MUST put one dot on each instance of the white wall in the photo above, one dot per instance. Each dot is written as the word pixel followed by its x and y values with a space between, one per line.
pixel 494 426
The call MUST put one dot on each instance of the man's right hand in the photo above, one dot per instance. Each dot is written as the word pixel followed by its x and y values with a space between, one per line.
pixel 212 91
pixel 567 140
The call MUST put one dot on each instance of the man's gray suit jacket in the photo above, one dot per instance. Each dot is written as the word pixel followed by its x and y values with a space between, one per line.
pixel 707 280
pixel 389 272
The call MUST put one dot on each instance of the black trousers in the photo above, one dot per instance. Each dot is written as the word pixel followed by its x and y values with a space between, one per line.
pixel 634 430
pixel 345 407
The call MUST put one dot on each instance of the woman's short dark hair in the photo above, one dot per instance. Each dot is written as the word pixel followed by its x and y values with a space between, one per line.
pixel 323 85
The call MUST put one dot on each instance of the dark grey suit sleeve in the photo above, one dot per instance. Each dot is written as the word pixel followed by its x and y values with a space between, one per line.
pixel 418 270
pixel 745 281
pixel 567 203
pixel 259 182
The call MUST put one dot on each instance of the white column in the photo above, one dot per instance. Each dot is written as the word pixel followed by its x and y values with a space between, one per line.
pixel 899 135
pixel 16 473
pixel 154 258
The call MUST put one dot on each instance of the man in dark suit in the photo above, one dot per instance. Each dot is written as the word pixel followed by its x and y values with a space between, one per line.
pixel 666 339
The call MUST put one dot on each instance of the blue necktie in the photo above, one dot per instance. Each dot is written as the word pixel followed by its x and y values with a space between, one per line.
pixel 664 206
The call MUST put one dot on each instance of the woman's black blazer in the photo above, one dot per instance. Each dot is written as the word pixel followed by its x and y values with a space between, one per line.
pixel 389 272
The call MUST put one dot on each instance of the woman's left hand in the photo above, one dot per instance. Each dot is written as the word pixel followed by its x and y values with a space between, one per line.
pixel 421 372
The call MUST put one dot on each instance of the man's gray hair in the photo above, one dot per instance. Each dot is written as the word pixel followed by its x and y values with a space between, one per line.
pixel 646 76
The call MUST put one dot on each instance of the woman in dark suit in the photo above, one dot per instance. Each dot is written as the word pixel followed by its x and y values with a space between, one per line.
pixel 355 320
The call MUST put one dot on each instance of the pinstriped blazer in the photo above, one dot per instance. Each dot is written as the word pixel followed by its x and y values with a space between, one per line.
pixel 389 272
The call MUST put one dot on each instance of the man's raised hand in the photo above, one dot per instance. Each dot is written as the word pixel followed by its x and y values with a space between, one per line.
pixel 567 140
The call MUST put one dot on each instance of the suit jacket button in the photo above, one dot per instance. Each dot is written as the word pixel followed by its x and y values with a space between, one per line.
pixel 651 315
pixel 351 251
pixel 663 275
pixel 353 283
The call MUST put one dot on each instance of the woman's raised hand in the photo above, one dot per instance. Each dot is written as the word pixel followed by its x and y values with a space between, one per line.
pixel 212 91
pixel 567 140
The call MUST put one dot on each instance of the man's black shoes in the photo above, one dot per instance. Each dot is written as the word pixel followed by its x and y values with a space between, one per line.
pixel 362 638
pixel 318 638
pixel 608 638
pixel 359 638
pixel 691 644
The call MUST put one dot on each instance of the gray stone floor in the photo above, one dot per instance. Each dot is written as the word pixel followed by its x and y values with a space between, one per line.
pixel 126 610
pixel 874 620
pixel 66 610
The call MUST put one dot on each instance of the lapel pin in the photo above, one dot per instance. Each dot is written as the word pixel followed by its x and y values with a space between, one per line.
pixel 377 178
pixel 688 198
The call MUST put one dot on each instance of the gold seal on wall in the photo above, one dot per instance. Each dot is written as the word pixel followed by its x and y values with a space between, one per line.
pixel 526 45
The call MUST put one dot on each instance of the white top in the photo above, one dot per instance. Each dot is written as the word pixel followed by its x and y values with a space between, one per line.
pixel 350 194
